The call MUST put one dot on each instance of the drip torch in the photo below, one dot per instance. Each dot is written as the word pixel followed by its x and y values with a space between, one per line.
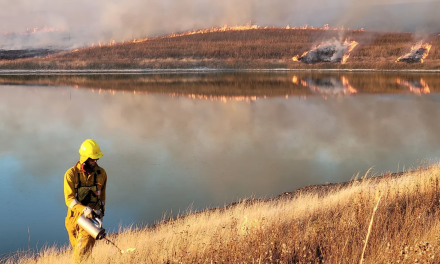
pixel 93 226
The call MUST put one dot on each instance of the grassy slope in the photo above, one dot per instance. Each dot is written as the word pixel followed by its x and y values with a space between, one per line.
pixel 257 48
pixel 318 225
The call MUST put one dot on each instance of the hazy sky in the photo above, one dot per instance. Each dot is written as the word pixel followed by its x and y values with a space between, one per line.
pixel 91 21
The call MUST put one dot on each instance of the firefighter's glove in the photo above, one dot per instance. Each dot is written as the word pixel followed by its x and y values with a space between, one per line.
pixel 99 214
pixel 88 212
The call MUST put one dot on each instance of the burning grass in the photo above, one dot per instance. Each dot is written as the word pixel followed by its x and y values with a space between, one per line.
pixel 330 51
pixel 318 224
pixel 240 49
pixel 418 53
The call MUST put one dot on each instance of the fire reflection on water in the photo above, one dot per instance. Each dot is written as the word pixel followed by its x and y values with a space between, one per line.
pixel 327 86
pixel 295 79
pixel 222 98
pixel 416 87
pixel 294 86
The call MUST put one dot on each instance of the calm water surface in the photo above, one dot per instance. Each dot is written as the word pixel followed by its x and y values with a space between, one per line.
pixel 205 140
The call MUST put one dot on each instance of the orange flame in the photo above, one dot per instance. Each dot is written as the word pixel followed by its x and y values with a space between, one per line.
pixel 415 47
pixel 45 29
pixel 296 58
pixel 351 46
pixel 225 28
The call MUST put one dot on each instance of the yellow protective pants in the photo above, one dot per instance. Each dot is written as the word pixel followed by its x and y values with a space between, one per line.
pixel 82 243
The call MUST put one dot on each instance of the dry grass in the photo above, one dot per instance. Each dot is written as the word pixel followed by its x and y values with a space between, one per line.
pixel 257 48
pixel 327 225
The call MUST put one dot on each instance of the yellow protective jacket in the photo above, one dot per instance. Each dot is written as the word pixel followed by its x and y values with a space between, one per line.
pixel 71 182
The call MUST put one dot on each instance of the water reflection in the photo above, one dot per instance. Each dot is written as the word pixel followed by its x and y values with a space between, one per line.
pixel 242 86
pixel 327 86
pixel 415 86
pixel 167 147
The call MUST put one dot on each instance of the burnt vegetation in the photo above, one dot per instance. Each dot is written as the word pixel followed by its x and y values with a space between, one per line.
pixel 256 48
pixel 26 53
pixel 416 55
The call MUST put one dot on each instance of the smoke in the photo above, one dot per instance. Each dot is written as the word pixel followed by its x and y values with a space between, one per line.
pixel 85 22
pixel 417 54
pixel 330 51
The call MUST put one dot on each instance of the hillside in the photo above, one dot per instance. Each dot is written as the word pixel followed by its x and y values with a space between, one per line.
pixel 245 49
pixel 389 219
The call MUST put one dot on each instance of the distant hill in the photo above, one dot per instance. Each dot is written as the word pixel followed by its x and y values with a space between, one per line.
pixel 255 48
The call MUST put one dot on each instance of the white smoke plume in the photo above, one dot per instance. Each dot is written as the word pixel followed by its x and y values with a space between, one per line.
pixel 329 51
pixel 86 22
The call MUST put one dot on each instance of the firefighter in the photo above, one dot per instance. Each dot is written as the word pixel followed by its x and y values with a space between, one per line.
pixel 84 193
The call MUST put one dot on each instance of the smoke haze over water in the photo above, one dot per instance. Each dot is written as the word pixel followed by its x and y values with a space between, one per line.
pixel 85 22
pixel 164 152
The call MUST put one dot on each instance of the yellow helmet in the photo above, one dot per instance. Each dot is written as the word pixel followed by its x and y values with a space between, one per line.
pixel 90 149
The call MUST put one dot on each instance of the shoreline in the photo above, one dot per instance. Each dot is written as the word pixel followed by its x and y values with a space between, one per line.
pixel 321 190
pixel 200 70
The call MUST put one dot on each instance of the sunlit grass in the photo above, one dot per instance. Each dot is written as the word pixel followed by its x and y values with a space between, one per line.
pixel 256 48
pixel 328 225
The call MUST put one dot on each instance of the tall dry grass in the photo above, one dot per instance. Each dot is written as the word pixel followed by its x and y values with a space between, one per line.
pixel 257 48
pixel 328 224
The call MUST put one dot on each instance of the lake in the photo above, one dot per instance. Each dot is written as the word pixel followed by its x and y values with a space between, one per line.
pixel 201 140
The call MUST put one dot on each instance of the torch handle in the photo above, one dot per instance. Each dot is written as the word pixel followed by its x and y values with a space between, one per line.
pixel 98 221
